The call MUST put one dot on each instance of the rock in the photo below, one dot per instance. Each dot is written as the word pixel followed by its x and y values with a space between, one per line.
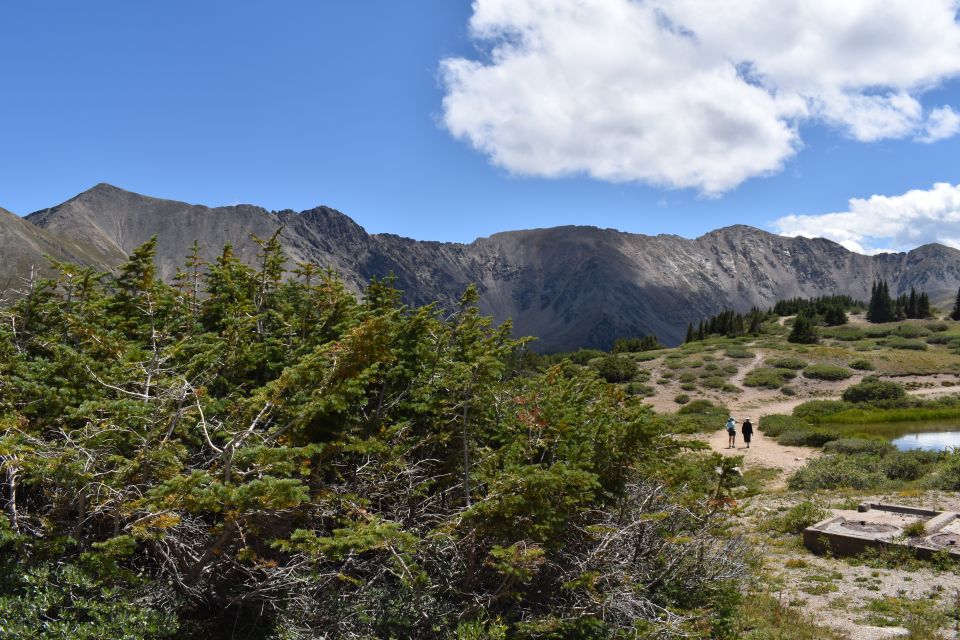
pixel 570 286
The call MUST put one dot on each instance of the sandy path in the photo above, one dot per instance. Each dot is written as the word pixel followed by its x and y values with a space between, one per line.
pixel 768 453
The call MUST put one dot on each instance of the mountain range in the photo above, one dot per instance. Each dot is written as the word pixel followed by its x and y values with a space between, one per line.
pixel 571 286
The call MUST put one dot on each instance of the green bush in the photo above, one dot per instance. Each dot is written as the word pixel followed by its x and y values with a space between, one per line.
pixel 820 408
pixel 806 438
pixel 616 368
pixel 826 372
pixel 845 333
pixel 879 331
pixel 705 408
pixel 937 326
pixel 905 344
pixel 688 386
pixel 786 362
pixel 873 390
pixel 862 365
pixel 944 338
pixel 584 356
pixel 859 446
pixel 681 398
pixel 912 331
pixel 774 425
pixel 714 382
pixel 739 353
pixel 838 472
pixel 902 465
pixel 638 389
pixel 947 475
pixel 799 517
pixel 769 377
pixel 687 377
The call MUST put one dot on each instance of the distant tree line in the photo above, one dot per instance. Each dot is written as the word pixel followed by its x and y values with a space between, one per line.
pixel 728 323
pixel 821 305
pixel 884 308
pixel 635 345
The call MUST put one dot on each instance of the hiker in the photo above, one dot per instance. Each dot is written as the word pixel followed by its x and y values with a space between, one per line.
pixel 732 432
pixel 747 430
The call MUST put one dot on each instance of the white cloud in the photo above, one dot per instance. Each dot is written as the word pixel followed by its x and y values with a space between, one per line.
pixel 886 223
pixel 943 123
pixel 694 93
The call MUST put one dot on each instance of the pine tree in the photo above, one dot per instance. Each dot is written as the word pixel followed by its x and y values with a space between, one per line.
pixel 882 307
pixel 955 315
pixel 923 306
pixel 804 331
pixel 690 336
pixel 913 304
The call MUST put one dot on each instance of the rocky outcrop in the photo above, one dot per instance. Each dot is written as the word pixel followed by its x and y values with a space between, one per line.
pixel 569 286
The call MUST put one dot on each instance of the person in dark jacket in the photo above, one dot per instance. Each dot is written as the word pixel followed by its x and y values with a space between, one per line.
pixel 747 430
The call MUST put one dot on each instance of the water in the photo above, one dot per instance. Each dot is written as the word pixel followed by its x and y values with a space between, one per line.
pixel 928 441
pixel 936 435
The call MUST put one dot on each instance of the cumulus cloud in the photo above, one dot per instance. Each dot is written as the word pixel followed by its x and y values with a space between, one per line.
pixel 694 93
pixel 886 223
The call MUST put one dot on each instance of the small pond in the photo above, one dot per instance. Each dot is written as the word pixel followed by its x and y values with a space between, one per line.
pixel 935 435
pixel 929 441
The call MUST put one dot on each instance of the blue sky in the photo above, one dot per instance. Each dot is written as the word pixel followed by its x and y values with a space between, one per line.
pixel 299 103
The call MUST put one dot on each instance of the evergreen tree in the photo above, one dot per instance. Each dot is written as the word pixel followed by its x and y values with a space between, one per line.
pixel 690 334
pixel 882 308
pixel 955 314
pixel 835 316
pixel 804 331
pixel 924 309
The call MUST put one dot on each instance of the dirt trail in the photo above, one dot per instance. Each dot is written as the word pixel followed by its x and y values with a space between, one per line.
pixel 768 453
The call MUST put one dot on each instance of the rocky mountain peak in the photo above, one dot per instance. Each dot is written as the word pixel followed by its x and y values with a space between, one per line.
pixel 572 286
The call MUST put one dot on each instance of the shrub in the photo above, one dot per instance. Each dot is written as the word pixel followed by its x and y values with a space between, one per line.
pixel 739 353
pixel 584 356
pixel 943 338
pixel 902 466
pixel 847 334
pixel 878 331
pixel 916 529
pixel 688 377
pixel 643 390
pixel 786 362
pixel 912 331
pixel 910 345
pixel 616 368
pixel 681 398
pixel 788 391
pixel 872 390
pixel 688 386
pixel 837 472
pixel 774 425
pixel 947 475
pixel 730 368
pixel 859 446
pixel 820 408
pixel 806 438
pixel 704 408
pixel 826 372
pixel 769 377
pixel 937 326
pixel 714 382
pixel 862 365
pixel 799 517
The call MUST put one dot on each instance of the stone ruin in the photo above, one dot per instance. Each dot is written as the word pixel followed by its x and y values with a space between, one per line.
pixel 884 526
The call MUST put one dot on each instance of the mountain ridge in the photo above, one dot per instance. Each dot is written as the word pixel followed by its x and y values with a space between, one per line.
pixel 572 286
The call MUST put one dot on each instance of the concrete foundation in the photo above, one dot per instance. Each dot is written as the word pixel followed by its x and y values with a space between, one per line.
pixel 881 526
